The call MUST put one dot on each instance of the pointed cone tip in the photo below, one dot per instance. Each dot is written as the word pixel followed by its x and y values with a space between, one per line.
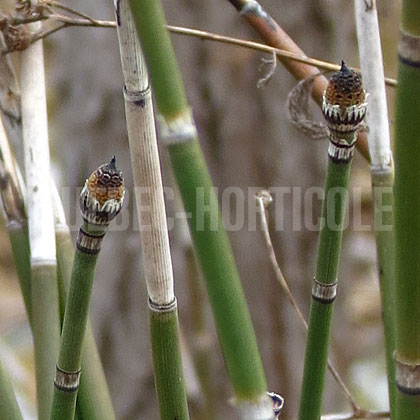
pixel 344 66
pixel 113 162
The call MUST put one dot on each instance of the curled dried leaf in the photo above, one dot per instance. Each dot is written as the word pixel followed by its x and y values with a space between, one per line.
pixel 298 107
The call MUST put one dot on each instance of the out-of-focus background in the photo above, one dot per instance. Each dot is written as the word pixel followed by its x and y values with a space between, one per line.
pixel 248 143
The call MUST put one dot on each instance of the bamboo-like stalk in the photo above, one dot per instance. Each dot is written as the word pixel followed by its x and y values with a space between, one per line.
pixel 9 408
pixel 100 201
pixel 178 132
pixel 407 221
pixel 272 34
pixel 93 399
pixel 343 108
pixel 382 172
pixel 164 329
pixel 45 317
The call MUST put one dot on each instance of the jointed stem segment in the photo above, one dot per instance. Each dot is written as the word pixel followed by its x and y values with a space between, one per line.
pixel 344 108
pixel 100 201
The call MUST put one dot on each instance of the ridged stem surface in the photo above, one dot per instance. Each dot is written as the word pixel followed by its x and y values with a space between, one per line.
pixel 93 399
pixel 382 185
pixel 407 210
pixel 319 325
pixel 73 331
pixel 164 333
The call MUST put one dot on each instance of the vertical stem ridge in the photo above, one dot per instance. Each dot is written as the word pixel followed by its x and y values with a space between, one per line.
pixel 406 211
pixel 319 325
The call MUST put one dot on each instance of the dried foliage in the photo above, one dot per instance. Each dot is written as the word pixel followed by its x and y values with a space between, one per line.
pixel 299 114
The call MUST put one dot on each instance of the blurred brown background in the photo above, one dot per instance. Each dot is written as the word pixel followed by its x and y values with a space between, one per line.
pixel 248 142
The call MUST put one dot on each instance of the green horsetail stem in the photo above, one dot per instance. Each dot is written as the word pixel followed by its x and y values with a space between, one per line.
pixel 9 408
pixel 167 362
pixel 344 108
pixel 406 212
pixel 100 201
pixel 93 399
pixel 211 242
pixel 19 241
pixel 382 187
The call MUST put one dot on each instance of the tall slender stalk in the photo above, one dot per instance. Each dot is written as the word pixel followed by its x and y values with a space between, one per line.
pixel 93 399
pixel 178 132
pixel 45 317
pixel 343 108
pixel 9 408
pixel 164 330
pixel 407 221
pixel 382 172
pixel 100 201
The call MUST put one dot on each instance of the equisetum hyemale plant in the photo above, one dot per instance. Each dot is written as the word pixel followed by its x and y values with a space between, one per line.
pixel 100 201
pixel 407 220
pixel 344 108
pixel 93 398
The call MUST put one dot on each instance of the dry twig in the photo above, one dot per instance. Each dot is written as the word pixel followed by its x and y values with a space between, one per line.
pixel 87 21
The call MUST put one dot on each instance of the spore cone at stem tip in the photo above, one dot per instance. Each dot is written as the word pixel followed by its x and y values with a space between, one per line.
pixel 102 196
pixel 343 103
pixel 345 88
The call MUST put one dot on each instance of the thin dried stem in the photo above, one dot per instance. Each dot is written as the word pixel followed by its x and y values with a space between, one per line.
pixel 264 199
pixel 88 21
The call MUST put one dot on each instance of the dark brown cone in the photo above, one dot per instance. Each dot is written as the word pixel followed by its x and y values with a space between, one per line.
pixel 345 88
